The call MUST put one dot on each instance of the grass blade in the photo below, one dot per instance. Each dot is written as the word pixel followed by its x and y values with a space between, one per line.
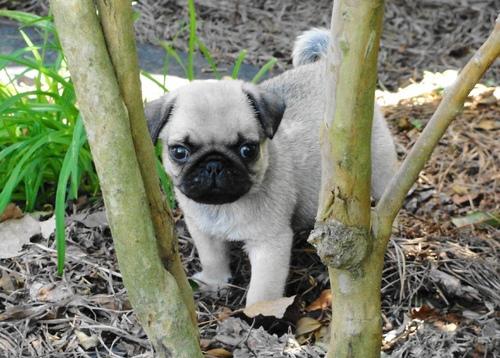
pixel 62 185
pixel 208 56
pixel 171 52
pixel 269 64
pixel 237 64
pixel 154 80
pixel 192 40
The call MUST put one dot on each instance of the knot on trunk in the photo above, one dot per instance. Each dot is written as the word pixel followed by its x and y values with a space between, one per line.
pixel 340 246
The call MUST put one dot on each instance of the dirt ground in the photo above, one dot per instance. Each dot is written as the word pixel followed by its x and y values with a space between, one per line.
pixel 441 286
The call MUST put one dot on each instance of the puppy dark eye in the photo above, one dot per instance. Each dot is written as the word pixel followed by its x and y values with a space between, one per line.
pixel 179 153
pixel 248 151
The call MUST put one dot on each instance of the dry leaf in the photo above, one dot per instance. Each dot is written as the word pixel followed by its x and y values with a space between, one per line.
pixel 459 189
pixel 87 342
pixel 15 233
pixel 6 283
pixel 460 199
pixel 487 125
pixel 11 211
pixel 224 313
pixel 307 325
pixel 276 308
pixel 95 219
pixel 424 313
pixel 50 292
pixel 205 343
pixel 218 353
pixel 324 301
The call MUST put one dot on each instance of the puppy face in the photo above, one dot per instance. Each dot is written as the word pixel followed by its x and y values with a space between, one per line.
pixel 214 137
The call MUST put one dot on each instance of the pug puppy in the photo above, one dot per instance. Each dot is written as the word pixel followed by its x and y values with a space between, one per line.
pixel 246 166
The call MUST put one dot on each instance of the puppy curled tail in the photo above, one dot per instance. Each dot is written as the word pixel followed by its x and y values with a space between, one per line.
pixel 310 46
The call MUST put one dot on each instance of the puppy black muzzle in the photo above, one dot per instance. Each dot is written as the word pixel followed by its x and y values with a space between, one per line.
pixel 215 179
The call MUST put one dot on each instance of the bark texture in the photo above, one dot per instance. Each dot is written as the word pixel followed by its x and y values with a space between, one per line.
pixel 152 290
pixel 117 23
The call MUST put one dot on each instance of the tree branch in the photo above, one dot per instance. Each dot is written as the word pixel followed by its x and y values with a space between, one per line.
pixel 117 23
pixel 393 198
pixel 152 290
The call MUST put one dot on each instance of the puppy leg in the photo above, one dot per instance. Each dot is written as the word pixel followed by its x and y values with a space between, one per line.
pixel 384 157
pixel 214 260
pixel 270 260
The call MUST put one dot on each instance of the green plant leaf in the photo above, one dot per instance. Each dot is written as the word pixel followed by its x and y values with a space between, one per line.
pixel 62 184
pixel 237 64
pixel 267 66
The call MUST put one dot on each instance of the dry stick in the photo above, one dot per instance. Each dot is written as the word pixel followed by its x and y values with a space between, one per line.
pixel 152 290
pixel 393 198
pixel 342 232
pixel 117 22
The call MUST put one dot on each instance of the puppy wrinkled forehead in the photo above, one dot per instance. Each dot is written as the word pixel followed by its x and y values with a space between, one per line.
pixel 212 111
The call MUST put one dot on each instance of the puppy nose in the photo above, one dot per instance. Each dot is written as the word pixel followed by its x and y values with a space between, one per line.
pixel 214 167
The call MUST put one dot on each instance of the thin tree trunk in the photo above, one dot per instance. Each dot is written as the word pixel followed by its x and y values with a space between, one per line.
pixel 153 291
pixel 117 22
pixel 342 233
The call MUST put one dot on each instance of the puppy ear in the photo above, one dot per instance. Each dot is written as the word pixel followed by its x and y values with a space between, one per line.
pixel 268 107
pixel 157 113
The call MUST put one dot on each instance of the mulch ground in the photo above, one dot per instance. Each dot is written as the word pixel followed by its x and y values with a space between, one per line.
pixel 441 286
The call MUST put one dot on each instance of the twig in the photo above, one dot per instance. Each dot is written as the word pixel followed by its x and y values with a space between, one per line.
pixel 453 100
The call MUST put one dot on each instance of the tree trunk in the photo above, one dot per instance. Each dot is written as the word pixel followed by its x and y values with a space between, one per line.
pixel 152 290
pixel 117 22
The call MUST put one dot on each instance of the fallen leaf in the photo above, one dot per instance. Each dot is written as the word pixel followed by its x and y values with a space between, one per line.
pixel 6 283
pixel 487 125
pixel 445 327
pixel 275 317
pixel 48 227
pixel 218 353
pixel 95 219
pixel 459 189
pixel 50 292
pixel 11 211
pixel 323 302
pixel 424 313
pixel 307 325
pixel 275 308
pixel 224 313
pixel 87 342
pixel 476 218
pixel 460 199
pixel 15 233
pixel 205 343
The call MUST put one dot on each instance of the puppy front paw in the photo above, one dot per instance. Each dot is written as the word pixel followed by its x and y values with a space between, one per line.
pixel 211 283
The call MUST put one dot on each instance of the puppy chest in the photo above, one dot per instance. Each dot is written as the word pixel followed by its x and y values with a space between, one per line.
pixel 220 224
pixel 229 224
